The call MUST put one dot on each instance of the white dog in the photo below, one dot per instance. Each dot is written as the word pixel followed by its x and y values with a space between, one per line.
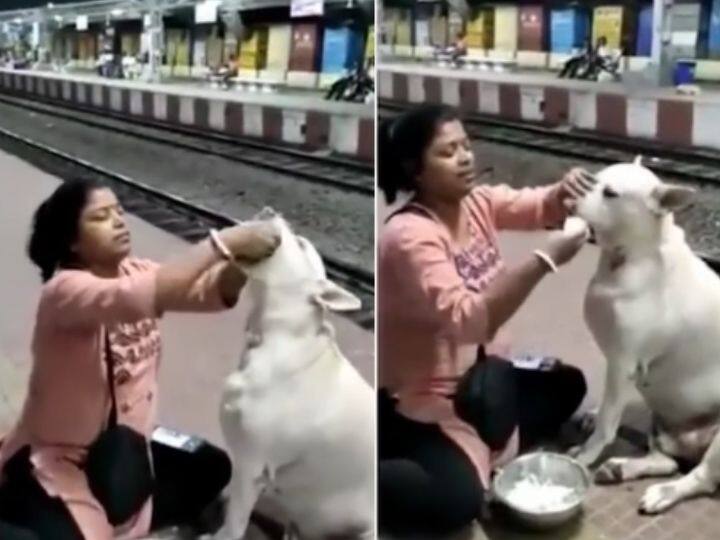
pixel 653 307
pixel 298 417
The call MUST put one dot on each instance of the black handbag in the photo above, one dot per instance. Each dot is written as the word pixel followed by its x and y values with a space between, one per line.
pixel 486 398
pixel 118 466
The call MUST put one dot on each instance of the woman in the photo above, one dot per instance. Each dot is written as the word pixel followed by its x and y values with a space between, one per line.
pixel 443 292
pixel 94 289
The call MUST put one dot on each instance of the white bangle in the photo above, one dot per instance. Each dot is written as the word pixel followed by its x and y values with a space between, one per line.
pixel 547 259
pixel 220 245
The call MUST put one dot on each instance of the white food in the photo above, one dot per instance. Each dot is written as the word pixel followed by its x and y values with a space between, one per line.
pixel 574 226
pixel 533 495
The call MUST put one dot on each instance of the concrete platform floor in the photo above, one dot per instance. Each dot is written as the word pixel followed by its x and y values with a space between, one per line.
pixel 633 85
pixel 287 98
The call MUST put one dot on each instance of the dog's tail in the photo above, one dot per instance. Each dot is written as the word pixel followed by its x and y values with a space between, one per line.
pixel 638 160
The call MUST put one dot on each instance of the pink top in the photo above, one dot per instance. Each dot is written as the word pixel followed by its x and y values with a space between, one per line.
pixel 68 402
pixel 432 313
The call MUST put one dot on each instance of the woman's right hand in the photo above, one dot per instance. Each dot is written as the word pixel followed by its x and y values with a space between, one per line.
pixel 251 242
pixel 562 247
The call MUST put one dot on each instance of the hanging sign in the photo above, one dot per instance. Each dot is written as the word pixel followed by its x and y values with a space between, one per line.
pixel 206 12
pixel 306 8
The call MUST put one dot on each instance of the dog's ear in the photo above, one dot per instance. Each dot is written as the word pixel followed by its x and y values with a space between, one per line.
pixel 638 160
pixel 672 198
pixel 335 298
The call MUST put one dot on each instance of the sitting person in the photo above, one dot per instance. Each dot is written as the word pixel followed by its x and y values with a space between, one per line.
pixel 96 351
pixel 601 59
pixel 444 297
pixel 459 46
pixel 228 70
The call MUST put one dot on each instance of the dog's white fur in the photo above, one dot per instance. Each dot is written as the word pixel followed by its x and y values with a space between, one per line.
pixel 298 417
pixel 653 308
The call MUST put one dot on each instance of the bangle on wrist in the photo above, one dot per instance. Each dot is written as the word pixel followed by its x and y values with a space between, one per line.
pixel 220 246
pixel 547 259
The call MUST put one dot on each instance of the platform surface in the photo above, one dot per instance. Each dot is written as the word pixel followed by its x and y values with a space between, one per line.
pixel 710 93
pixel 289 99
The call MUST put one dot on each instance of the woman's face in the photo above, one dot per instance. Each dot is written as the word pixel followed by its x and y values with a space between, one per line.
pixel 103 237
pixel 448 172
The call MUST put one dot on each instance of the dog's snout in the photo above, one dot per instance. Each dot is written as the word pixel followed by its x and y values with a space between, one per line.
pixel 266 213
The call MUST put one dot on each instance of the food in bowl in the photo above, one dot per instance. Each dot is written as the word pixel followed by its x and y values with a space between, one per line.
pixel 535 495
pixel 542 490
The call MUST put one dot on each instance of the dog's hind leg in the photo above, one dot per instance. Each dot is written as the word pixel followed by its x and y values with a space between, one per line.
pixel 622 469
pixel 657 462
pixel 702 480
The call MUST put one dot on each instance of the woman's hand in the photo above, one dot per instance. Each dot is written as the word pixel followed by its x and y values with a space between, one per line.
pixel 576 183
pixel 562 247
pixel 251 242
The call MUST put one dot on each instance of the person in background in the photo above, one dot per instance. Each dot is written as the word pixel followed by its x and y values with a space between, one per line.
pixel 600 57
pixel 459 45
pixel 99 304
pixel 444 297
pixel 229 69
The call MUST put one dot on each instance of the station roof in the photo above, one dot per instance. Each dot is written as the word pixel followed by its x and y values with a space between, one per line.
pixel 29 10
pixel 25 4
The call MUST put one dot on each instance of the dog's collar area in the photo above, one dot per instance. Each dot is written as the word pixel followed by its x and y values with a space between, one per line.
pixel 323 352
pixel 617 259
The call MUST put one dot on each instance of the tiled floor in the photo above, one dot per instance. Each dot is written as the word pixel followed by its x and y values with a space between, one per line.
pixel 611 513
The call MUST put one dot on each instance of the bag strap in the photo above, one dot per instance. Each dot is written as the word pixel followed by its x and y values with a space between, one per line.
pixel 112 422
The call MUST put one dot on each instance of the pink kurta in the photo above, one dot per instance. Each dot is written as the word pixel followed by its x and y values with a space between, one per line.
pixel 432 312
pixel 68 402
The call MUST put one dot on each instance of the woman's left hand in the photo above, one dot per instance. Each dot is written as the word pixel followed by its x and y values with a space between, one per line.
pixel 576 183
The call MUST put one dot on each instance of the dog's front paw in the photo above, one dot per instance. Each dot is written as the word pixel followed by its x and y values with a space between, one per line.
pixel 587 422
pixel 659 497
pixel 226 533
pixel 587 453
pixel 611 471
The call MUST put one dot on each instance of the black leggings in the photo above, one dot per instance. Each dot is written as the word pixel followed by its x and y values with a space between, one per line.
pixel 186 484
pixel 427 486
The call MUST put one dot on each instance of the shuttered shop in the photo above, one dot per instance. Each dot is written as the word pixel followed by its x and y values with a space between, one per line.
pixel 531 29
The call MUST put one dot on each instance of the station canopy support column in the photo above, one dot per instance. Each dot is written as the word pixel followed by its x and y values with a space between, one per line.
pixel 662 55
pixel 153 40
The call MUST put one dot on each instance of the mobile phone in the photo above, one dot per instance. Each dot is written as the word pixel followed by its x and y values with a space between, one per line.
pixel 540 363
pixel 176 439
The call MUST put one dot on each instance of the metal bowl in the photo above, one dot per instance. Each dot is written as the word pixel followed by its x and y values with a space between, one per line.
pixel 558 469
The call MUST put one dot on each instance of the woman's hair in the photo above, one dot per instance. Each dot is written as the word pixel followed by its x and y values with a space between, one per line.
pixel 56 224
pixel 402 143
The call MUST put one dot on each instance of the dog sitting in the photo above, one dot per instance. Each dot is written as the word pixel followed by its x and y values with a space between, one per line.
pixel 653 307
pixel 297 416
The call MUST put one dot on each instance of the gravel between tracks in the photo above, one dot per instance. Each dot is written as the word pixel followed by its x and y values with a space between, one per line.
pixel 339 223
pixel 519 167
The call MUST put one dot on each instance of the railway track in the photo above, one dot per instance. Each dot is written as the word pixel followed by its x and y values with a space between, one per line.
pixel 697 165
pixel 692 164
pixel 331 171
pixel 174 214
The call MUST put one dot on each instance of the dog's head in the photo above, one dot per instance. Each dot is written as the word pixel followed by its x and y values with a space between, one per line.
pixel 296 266
pixel 629 204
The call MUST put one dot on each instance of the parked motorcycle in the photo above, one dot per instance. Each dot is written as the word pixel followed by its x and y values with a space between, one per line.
pixel 356 87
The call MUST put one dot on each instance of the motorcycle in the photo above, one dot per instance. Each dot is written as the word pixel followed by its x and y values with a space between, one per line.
pixel 356 87
pixel 590 67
